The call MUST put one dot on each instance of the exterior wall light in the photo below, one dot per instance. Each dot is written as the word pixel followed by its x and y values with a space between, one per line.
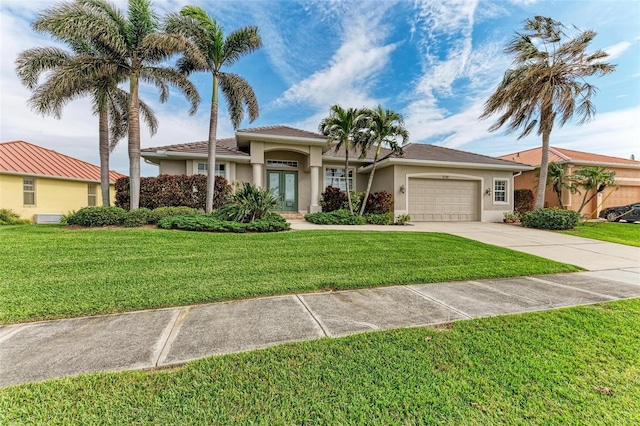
pixel 402 189
pixel 487 191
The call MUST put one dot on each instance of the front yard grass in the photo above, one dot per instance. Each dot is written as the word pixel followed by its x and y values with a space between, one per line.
pixel 571 366
pixel 621 233
pixel 50 272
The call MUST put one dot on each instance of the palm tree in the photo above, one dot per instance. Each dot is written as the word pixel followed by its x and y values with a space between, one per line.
pixel 547 82
pixel 212 53
pixel 558 180
pixel 594 179
pixel 382 126
pixel 65 83
pixel 131 44
pixel 342 128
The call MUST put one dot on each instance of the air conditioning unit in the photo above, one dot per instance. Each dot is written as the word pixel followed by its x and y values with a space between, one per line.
pixel 42 218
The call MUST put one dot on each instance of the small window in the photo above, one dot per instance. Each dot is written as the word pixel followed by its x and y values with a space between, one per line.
pixel 92 191
pixel 500 191
pixel 336 178
pixel 282 164
pixel 29 191
pixel 221 169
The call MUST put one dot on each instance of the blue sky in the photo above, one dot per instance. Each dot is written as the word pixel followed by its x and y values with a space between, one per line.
pixel 435 61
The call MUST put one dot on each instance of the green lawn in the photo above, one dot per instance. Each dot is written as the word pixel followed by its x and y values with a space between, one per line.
pixel 571 366
pixel 50 272
pixel 621 233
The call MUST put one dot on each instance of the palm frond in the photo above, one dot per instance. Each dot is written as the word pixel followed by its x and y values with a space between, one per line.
pixel 160 76
pixel 239 96
pixel 240 43
pixel 31 63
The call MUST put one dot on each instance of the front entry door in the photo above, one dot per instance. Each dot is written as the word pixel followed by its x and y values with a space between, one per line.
pixel 284 185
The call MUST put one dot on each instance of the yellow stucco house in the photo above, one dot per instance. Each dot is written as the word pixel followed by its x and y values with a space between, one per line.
pixel 41 185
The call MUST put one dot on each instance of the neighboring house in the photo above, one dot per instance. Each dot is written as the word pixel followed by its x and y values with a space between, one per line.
pixel 41 185
pixel 430 183
pixel 627 177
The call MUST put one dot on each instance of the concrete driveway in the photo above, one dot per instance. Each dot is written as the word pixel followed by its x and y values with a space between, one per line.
pixel 592 255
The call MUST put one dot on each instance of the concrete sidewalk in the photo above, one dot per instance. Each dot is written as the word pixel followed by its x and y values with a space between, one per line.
pixel 164 337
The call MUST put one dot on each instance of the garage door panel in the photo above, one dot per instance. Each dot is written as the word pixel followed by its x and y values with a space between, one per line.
pixel 439 200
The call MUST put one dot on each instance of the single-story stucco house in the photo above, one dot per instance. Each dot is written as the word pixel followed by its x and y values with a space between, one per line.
pixel 428 182
pixel 627 177
pixel 41 185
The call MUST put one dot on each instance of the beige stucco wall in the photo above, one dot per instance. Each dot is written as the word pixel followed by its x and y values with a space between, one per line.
pixel 57 196
pixel 489 210
pixel 174 167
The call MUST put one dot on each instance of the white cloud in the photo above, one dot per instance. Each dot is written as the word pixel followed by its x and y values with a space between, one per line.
pixel 617 49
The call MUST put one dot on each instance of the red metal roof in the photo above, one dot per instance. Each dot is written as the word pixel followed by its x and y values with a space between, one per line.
pixel 27 158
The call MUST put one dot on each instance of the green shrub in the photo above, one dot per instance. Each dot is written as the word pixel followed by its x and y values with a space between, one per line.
pixel 522 201
pixel 379 219
pixel 8 217
pixel 174 190
pixel 402 219
pixel 553 218
pixel 379 203
pixel 333 199
pixel 211 223
pixel 248 204
pixel 139 217
pixel 338 217
pixel 162 212
pixel 97 216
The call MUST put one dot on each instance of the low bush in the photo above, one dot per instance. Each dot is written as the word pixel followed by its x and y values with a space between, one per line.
pixel 162 212
pixel 97 216
pixel 522 201
pixel 211 223
pixel 248 204
pixel 338 217
pixel 553 218
pixel 139 217
pixel 380 202
pixel 379 219
pixel 8 217
pixel 333 199
pixel 402 219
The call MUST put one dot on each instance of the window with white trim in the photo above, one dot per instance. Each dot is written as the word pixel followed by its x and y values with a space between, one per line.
pixel 29 191
pixel 336 178
pixel 500 191
pixel 92 194
pixel 282 164
pixel 221 169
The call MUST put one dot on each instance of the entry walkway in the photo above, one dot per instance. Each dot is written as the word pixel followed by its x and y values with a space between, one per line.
pixel 165 337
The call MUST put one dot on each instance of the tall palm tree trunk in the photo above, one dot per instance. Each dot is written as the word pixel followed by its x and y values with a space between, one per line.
pixel 373 170
pixel 544 164
pixel 346 178
pixel 134 144
pixel 103 142
pixel 211 158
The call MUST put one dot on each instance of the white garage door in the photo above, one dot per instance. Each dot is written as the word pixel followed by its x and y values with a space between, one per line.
pixel 438 200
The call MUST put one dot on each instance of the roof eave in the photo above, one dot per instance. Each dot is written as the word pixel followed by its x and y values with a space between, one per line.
pixel 8 172
pixel 451 164
pixel 244 139
pixel 168 155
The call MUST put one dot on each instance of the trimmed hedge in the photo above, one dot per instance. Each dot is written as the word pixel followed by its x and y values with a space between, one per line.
pixel 335 199
pixel 379 219
pixel 139 217
pixel 97 216
pixel 553 218
pixel 338 217
pixel 173 191
pixel 211 223
pixel 162 212
pixel 522 201
pixel 380 202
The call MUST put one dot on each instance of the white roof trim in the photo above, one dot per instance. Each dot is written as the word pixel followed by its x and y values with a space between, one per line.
pixel 452 164
pixel 7 172
pixel 168 155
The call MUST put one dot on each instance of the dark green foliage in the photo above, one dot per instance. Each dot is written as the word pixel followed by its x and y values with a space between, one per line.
pixel 162 212
pixel 212 223
pixel 248 204
pixel 403 219
pixel 333 199
pixel 338 217
pixel 97 216
pixel 8 217
pixel 379 219
pixel 522 201
pixel 173 191
pixel 379 203
pixel 138 217
pixel 554 218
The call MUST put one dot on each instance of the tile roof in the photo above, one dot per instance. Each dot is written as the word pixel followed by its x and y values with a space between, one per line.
pixel 25 157
pixel 283 131
pixel 533 157
pixel 423 151
pixel 223 147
